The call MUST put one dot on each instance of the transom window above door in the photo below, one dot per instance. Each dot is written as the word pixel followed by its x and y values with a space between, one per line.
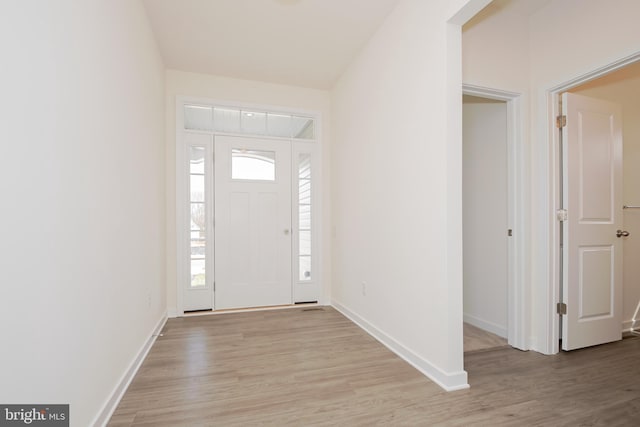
pixel 244 121
pixel 247 206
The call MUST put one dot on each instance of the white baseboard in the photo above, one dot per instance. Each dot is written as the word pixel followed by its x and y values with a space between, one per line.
pixel 631 326
pixel 500 331
pixel 111 404
pixel 449 382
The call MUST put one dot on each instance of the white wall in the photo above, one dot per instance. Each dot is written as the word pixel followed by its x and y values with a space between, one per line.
pixel 224 89
pixel 495 55
pixel 623 87
pixel 569 38
pixel 82 185
pixel 495 50
pixel 396 186
pixel 566 39
pixel 485 222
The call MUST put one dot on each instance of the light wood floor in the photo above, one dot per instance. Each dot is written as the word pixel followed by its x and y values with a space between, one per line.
pixel 477 339
pixel 308 368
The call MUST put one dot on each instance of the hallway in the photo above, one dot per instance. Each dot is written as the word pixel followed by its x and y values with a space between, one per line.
pixel 312 366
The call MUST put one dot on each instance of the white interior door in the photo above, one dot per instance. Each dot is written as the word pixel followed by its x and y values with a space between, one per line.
pixel 252 222
pixel 592 262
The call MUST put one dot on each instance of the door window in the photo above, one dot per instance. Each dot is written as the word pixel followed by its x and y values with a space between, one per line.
pixel 198 210
pixel 253 165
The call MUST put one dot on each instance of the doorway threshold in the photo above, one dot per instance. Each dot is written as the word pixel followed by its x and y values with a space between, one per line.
pixel 249 309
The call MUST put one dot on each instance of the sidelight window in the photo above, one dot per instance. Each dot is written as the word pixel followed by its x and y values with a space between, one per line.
pixel 304 217
pixel 198 216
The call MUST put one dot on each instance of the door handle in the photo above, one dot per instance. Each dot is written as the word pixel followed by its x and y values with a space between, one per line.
pixel 621 233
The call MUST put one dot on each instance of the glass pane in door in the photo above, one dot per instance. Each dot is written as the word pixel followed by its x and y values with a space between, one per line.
pixel 198 211
pixel 304 217
pixel 253 165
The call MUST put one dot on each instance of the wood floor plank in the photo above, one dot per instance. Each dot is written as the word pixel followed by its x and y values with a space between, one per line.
pixel 477 339
pixel 316 368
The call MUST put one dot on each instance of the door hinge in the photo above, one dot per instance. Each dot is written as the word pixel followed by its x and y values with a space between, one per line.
pixel 561 308
pixel 562 215
pixel 561 121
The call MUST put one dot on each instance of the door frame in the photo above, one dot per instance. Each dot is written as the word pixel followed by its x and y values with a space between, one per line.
pixel 517 302
pixel 553 96
pixel 181 185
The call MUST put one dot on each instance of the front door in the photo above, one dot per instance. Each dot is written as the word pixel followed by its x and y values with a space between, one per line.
pixel 252 222
pixel 592 261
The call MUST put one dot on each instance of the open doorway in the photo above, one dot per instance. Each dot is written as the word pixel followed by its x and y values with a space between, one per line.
pixel 622 87
pixel 493 218
pixel 485 222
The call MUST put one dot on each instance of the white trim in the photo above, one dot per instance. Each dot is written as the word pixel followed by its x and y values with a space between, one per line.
pixel 490 93
pixel 550 341
pixel 250 309
pixel 518 319
pixel 494 328
pixel 180 207
pixel 109 407
pixel 468 11
pixel 631 326
pixel 595 74
pixel 181 186
pixel 448 381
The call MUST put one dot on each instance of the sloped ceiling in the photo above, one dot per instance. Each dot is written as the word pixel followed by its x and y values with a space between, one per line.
pixel 522 7
pixel 304 43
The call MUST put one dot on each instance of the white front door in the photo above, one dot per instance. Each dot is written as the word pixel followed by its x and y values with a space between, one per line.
pixel 592 261
pixel 252 222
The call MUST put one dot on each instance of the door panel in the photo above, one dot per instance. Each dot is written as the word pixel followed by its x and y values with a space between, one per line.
pixel 239 227
pixel 252 222
pixel 268 234
pixel 596 284
pixel 592 283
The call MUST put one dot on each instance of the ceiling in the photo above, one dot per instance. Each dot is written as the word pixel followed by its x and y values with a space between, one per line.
pixel 306 43
pixel 520 7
